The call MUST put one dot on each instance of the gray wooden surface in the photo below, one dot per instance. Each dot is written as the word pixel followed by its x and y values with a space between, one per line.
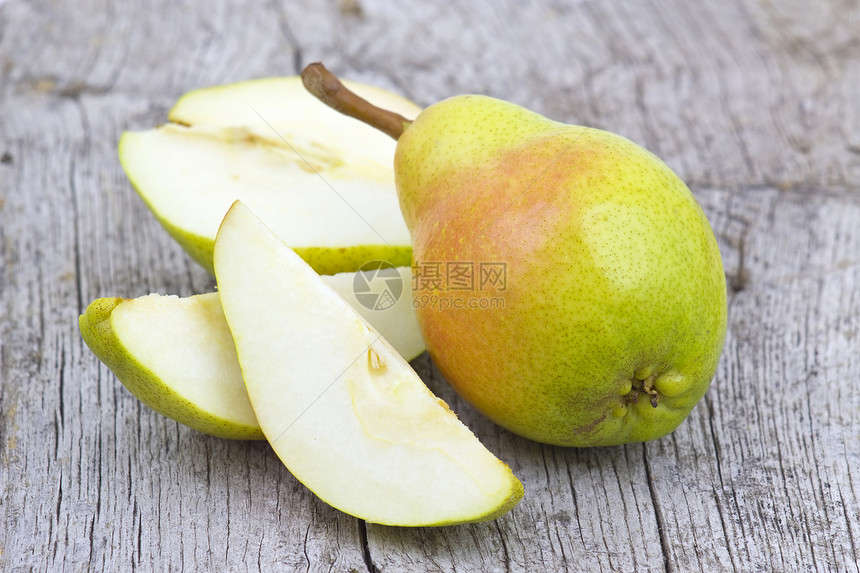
pixel 756 104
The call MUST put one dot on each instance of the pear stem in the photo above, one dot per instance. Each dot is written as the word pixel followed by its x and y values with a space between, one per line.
pixel 325 86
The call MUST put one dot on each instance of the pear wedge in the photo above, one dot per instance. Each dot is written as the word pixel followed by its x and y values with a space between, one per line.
pixel 344 412
pixel 176 355
pixel 322 181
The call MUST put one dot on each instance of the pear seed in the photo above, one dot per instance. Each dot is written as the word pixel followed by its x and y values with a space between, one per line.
pixel 374 361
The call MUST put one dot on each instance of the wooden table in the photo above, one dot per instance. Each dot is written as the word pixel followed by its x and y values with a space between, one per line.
pixel 755 103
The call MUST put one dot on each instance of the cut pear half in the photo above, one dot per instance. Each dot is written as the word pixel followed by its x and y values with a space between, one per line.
pixel 344 412
pixel 176 355
pixel 322 181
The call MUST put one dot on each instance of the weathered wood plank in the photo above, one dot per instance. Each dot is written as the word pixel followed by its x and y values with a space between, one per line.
pixel 756 104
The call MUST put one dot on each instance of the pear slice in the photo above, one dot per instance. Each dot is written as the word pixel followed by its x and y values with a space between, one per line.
pixel 344 412
pixel 322 181
pixel 176 355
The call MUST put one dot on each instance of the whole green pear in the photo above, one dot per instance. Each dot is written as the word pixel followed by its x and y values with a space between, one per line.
pixel 595 313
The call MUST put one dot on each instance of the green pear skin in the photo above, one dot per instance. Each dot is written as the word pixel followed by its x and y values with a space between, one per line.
pixel 610 320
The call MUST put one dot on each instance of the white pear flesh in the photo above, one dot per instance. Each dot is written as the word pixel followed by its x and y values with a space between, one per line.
pixel 176 355
pixel 343 411
pixel 322 181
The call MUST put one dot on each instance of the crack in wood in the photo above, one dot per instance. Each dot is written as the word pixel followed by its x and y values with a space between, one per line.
pixel 658 514
pixel 365 547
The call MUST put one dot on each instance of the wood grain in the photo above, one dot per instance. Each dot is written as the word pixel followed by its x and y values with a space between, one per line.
pixel 755 103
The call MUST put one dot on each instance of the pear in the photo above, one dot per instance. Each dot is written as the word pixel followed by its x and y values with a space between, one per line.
pixel 323 181
pixel 596 313
pixel 343 411
pixel 176 355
